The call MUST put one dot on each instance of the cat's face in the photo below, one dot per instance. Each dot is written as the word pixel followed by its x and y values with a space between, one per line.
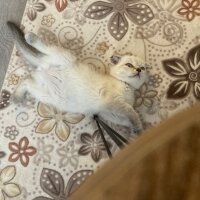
pixel 129 69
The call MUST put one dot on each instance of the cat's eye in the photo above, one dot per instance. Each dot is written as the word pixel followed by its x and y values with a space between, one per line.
pixel 129 65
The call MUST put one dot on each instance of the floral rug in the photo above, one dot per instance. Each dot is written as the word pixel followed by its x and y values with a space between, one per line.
pixel 48 154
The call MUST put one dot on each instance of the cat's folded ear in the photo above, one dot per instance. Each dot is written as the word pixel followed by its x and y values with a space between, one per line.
pixel 115 59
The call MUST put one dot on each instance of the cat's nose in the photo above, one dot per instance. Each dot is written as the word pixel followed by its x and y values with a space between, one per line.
pixel 138 70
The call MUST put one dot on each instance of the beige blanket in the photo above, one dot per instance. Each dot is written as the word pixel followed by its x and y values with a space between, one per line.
pixel 49 154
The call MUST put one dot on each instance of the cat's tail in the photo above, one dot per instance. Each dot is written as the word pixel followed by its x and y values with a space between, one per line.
pixel 31 54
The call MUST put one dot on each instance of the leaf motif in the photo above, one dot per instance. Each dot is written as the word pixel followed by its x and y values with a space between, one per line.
pixel 73 118
pixel 39 7
pixel 52 183
pixel 84 150
pixel 138 102
pixel 77 179
pixel 4 99
pixel 42 198
pixel 175 67
pixel 151 94
pixel 23 143
pixel 45 111
pixel 182 11
pixel 45 126
pixel 13 157
pixel 7 174
pixel 148 102
pixel 118 26
pixel 96 154
pixel 186 3
pixel 193 58
pixel 24 159
pixel 178 89
pixel 98 10
pixel 12 190
pixel 32 14
pixel 62 130
pixel 74 162
pixel 61 5
pixel 197 90
pixel 139 13
pixel 14 147
pixel 86 138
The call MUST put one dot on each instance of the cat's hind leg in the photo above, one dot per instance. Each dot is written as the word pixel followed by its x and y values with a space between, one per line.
pixel 31 54
pixel 58 54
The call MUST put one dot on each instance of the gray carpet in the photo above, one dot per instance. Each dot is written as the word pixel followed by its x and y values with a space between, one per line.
pixel 9 10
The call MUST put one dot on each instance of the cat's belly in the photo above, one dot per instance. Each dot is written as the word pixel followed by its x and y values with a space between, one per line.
pixel 79 107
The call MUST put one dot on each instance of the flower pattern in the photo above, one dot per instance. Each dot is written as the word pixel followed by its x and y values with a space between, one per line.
pixel 21 151
pixel 48 20
pixel 167 34
pixel 61 4
pixel 190 9
pixel 102 48
pixel 138 13
pixel 57 119
pixel 166 22
pixel 34 6
pixel 93 144
pixel 52 183
pixel 43 152
pixel 187 74
pixel 7 188
pixel 4 99
pixel 144 96
pixel 75 11
pixel 155 80
pixel 13 79
pixel 69 155
pixel 11 132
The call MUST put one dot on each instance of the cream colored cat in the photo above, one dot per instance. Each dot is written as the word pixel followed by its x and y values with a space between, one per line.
pixel 58 79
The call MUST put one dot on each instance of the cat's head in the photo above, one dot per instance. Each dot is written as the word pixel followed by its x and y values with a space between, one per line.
pixel 129 69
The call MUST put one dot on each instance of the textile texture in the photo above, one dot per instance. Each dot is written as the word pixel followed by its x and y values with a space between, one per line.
pixel 49 153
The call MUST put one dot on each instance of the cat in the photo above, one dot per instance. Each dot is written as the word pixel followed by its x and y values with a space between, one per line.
pixel 58 79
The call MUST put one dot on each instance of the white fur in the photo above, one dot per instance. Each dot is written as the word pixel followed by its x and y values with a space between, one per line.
pixel 61 81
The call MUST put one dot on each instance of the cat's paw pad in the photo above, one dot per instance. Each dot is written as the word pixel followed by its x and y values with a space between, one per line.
pixel 31 38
